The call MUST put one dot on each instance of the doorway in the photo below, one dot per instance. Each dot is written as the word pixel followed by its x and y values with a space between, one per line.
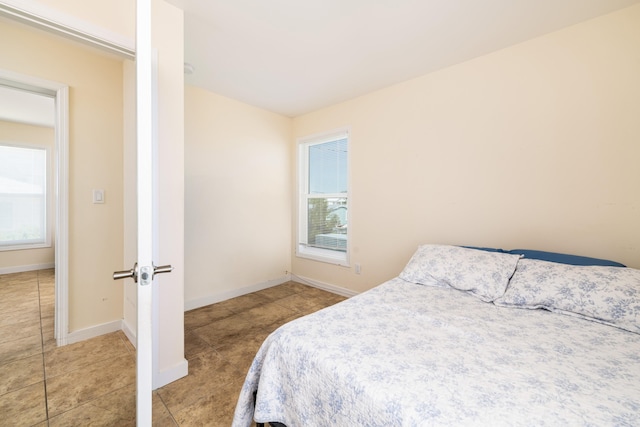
pixel 59 94
pixel 26 175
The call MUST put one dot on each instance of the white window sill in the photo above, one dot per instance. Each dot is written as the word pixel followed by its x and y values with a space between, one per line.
pixel 25 246
pixel 323 255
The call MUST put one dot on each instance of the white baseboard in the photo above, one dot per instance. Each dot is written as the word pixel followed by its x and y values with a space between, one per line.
pixel 223 296
pixel 181 369
pixel 129 332
pixel 324 286
pixel 23 268
pixel 92 332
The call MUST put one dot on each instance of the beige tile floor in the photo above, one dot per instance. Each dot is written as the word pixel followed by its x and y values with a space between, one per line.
pixel 93 382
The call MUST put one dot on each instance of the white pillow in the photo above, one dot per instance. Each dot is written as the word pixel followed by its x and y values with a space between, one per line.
pixel 609 295
pixel 480 273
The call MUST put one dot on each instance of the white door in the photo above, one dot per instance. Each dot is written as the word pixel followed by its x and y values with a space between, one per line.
pixel 144 92
pixel 144 270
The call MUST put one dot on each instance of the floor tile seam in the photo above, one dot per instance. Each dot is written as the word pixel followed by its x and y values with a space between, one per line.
pixel 212 347
pixel 200 370
pixel 209 350
pixel 267 329
pixel 25 337
pixel 192 402
pixel 233 343
pixel 132 351
pixel 166 406
pixel 49 376
pixel 126 343
pixel 86 342
pixel 23 343
pixel 320 305
pixel 19 294
pixel 208 322
pixel 189 329
pixel 273 326
pixel 244 309
pixel 26 356
pixel 194 398
pixel 14 303
pixel 85 365
pixel 280 304
pixel 22 387
pixel 230 362
pixel 88 402
pixel 208 325
pixel 240 368
pixel 193 331
pixel 14 298
pixel 18 310
pixel 32 322
pixel 16 282
pixel 288 308
pixel 40 319
pixel 130 383
pixel 44 374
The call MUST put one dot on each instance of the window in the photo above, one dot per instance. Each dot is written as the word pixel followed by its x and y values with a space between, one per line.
pixel 23 197
pixel 323 180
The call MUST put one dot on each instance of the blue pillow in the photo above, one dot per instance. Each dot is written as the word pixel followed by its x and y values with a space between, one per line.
pixel 564 258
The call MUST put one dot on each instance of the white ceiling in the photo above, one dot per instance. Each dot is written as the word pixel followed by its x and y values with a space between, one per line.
pixel 295 56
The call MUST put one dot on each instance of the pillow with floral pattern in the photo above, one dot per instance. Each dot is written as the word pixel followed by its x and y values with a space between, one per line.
pixel 609 295
pixel 481 273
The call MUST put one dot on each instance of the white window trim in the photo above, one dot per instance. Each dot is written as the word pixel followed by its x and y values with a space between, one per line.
pixel 302 250
pixel 48 203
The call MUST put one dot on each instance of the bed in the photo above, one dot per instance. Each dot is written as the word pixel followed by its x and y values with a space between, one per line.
pixel 462 336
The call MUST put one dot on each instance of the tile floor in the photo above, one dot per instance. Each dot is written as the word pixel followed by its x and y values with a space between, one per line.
pixel 93 382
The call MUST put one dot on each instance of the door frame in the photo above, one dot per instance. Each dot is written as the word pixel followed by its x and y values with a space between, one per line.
pixel 60 93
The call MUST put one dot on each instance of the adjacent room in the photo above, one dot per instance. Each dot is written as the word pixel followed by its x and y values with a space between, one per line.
pixel 306 154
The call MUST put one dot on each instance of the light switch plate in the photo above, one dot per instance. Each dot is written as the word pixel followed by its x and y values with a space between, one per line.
pixel 98 196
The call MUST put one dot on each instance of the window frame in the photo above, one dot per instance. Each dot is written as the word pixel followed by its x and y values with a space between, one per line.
pixel 303 250
pixel 48 213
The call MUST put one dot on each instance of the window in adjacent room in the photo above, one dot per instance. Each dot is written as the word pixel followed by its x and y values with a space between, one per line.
pixel 23 197
pixel 323 212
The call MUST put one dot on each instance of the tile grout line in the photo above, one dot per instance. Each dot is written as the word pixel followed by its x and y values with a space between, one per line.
pixel 167 407
pixel 44 372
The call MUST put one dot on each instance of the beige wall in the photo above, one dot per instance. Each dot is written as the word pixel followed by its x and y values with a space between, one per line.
pixel 44 137
pixel 238 198
pixel 95 151
pixel 532 146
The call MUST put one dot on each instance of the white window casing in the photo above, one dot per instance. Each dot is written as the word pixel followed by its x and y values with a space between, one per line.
pixel 25 200
pixel 323 197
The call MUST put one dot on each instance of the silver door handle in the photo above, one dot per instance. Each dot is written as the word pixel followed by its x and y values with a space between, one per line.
pixel 162 269
pixel 133 273
pixel 148 273
pixel 125 274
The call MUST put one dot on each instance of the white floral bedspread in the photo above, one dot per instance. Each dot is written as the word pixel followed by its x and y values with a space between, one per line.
pixel 403 354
